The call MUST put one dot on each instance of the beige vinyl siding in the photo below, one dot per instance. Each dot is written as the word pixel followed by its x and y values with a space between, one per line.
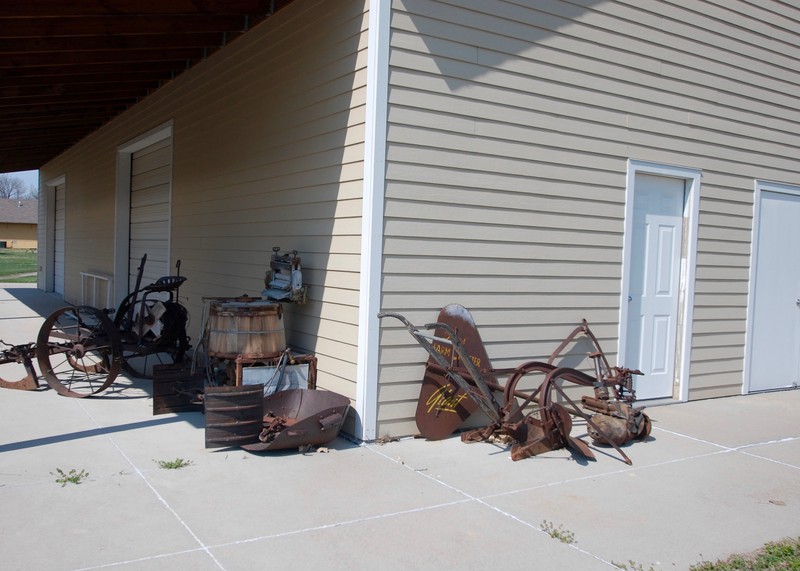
pixel 267 151
pixel 151 173
pixel 510 127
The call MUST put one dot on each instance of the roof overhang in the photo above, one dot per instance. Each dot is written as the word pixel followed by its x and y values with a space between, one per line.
pixel 67 68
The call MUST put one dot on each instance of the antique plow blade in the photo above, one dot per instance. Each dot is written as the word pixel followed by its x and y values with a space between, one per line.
pixel 23 355
pixel 459 380
pixel 447 398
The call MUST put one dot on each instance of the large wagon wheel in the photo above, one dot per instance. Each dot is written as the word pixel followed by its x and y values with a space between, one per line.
pixel 79 351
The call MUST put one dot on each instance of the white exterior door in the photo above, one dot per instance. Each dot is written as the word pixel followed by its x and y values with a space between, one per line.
pixel 59 226
pixel 775 331
pixel 654 287
pixel 151 172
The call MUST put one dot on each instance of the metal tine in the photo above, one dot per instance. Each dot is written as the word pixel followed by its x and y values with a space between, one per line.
pixel 461 382
pixel 589 421
pixel 487 407
pixel 470 366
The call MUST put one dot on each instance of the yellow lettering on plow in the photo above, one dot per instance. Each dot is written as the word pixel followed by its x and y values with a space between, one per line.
pixel 446 351
pixel 442 349
pixel 444 400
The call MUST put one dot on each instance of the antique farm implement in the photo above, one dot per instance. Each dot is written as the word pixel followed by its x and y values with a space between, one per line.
pixel 81 350
pixel 534 409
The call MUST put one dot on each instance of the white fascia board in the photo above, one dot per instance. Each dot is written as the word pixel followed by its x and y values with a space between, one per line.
pixel 366 405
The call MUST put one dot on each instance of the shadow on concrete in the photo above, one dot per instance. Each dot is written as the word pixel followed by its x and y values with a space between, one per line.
pixel 39 301
pixel 193 418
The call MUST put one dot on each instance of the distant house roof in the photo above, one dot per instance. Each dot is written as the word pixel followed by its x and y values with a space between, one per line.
pixel 19 211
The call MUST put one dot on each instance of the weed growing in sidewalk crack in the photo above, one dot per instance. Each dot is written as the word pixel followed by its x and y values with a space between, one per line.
pixel 173 464
pixel 71 477
pixel 559 533
pixel 631 565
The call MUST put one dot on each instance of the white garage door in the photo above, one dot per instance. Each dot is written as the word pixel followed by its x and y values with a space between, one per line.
pixel 151 173
pixel 775 345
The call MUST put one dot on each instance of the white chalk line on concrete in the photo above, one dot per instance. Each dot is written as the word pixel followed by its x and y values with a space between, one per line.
pixel 481 501
pixel 467 498
pixel 203 547
pixel 310 529
pixel 743 447
pixel 722 450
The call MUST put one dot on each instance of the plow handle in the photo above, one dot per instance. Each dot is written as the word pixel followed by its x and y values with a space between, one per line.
pixel 484 397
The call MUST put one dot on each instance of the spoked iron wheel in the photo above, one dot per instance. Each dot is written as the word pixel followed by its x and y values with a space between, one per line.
pixel 79 351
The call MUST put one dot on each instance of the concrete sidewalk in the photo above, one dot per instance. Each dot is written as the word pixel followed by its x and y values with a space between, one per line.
pixel 716 477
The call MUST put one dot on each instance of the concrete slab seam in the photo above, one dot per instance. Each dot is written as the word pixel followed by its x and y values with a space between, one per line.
pixel 277 535
pixel 604 475
pixel 337 524
pixel 741 449
pixel 139 560
pixel 768 442
pixel 158 496
pixel 701 440
pixel 771 460
pixel 420 472
pixel 487 505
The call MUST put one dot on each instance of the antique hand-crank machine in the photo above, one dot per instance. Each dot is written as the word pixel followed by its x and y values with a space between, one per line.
pixel 459 380
pixel 80 350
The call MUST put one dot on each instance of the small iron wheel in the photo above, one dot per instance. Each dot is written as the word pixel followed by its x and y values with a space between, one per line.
pixel 79 351
pixel 141 364
pixel 159 338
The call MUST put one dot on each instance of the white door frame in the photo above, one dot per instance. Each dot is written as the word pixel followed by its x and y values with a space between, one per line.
pixel 691 210
pixel 122 205
pixel 48 249
pixel 760 187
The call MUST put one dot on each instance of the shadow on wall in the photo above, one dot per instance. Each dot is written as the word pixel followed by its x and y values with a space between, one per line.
pixel 280 166
pixel 467 43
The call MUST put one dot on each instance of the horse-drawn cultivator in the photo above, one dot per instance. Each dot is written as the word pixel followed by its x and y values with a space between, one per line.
pixel 81 350
pixel 534 417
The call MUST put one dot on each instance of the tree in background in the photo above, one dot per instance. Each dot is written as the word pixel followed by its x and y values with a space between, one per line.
pixel 15 187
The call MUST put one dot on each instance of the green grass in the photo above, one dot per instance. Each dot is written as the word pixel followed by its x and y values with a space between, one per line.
pixel 775 556
pixel 15 262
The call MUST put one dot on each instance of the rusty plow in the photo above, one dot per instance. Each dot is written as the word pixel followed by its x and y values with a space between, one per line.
pixel 535 409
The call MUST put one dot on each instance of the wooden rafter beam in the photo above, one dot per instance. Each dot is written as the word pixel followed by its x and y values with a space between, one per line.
pixel 67 67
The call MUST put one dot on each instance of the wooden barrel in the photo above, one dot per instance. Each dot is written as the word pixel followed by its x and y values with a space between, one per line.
pixel 245 328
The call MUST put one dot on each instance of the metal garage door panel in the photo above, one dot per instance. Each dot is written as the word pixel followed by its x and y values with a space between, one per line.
pixel 59 244
pixel 150 211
